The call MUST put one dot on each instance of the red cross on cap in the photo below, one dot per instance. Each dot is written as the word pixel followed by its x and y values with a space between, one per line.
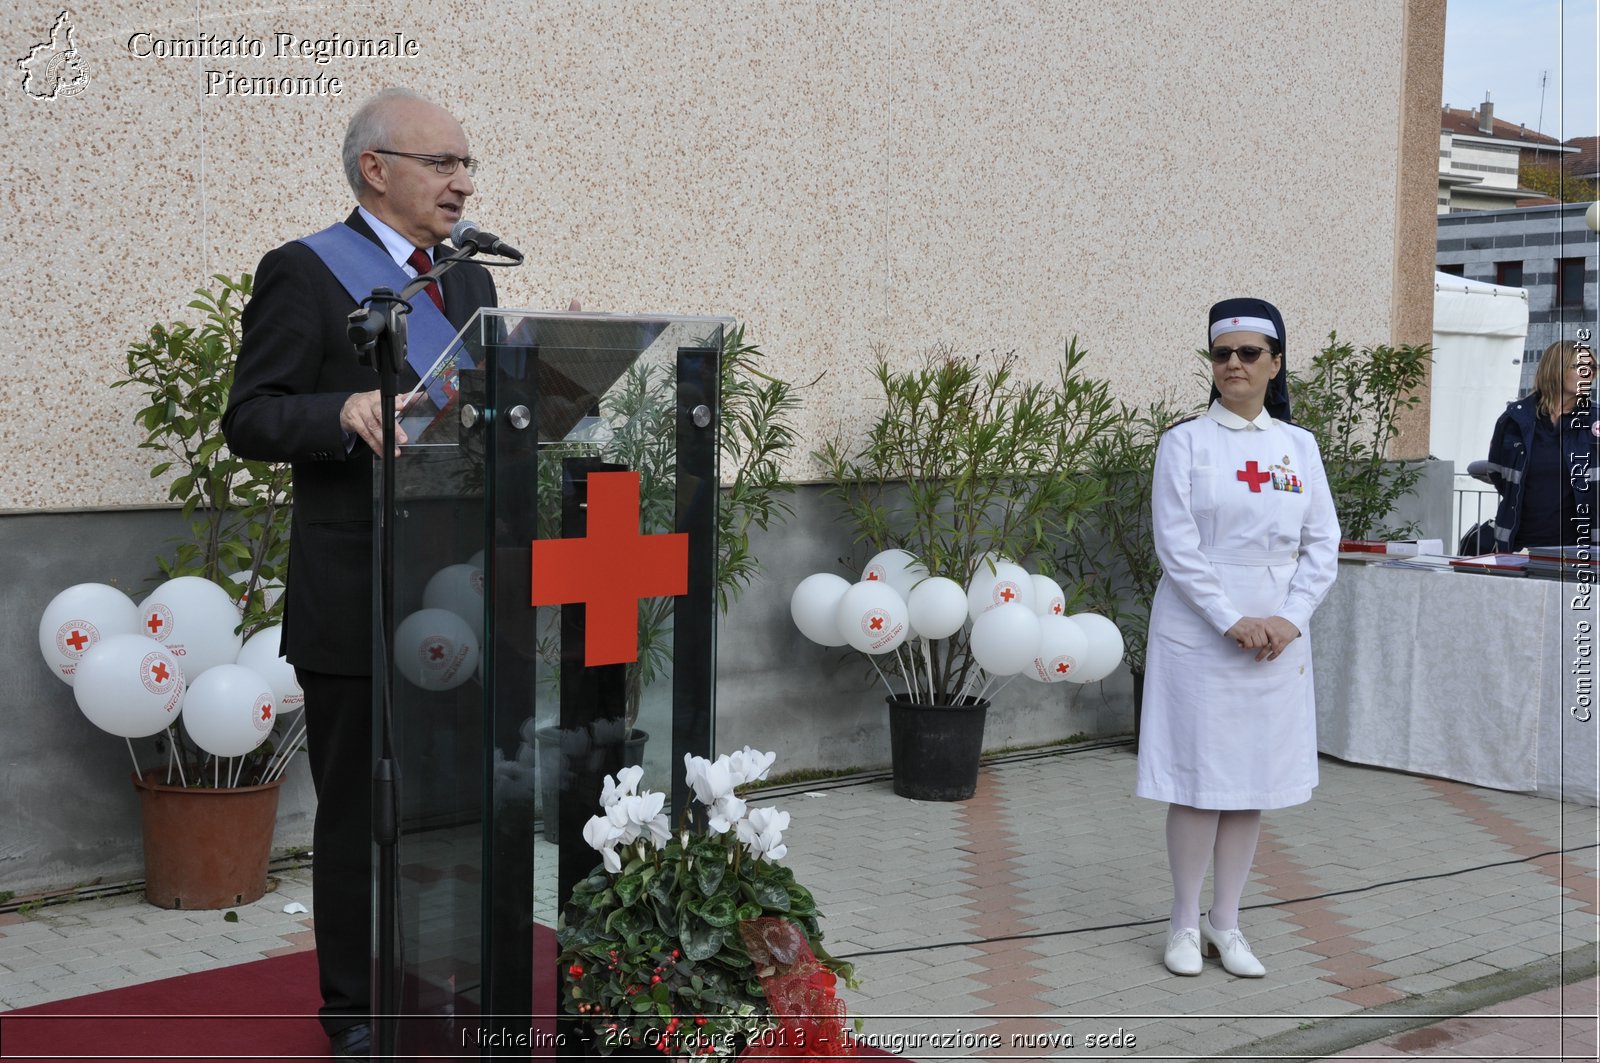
pixel 1235 321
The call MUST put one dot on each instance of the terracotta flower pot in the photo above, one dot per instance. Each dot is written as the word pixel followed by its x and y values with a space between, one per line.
pixel 206 847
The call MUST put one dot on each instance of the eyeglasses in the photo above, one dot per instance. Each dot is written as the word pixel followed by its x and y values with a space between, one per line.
pixel 442 164
pixel 1247 355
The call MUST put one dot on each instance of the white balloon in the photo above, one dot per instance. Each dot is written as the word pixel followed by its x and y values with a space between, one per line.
pixel 458 588
pixel 196 620
pixel 1005 639
pixel 476 560
pixel 129 685
pixel 1007 583
pixel 873 618
pixel 1105 648
pixel 1048 597
pixel 1062 647
pixel 260 655
pixel 814 605
pixel 79 617
pixel 897 568
pixel 937 607
pixel 435 649
pixel 229 710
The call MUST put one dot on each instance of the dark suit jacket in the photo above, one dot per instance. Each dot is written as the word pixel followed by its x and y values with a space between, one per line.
pixel 296 369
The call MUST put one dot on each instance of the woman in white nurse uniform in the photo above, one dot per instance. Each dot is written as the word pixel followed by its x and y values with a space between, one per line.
pixel 1248 541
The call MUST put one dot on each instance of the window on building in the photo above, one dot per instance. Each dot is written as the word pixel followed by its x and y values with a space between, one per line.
pixel 1569 282
pixel 1457 269
pixel 1508 273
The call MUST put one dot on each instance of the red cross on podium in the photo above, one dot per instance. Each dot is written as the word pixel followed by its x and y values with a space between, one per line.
pixel 611 569
pixel 1252 475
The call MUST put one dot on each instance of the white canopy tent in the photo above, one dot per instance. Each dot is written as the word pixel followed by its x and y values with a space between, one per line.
pixel 1479 331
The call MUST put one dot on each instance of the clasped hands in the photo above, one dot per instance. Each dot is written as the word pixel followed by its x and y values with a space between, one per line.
pixel 1269 635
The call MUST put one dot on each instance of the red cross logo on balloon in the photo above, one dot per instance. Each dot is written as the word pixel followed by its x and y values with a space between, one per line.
pixel 160 672
pixel 1062 668
pixel 77 640
pixel 611 569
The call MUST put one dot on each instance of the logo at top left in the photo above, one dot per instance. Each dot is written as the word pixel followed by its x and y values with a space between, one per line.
pixel 54 68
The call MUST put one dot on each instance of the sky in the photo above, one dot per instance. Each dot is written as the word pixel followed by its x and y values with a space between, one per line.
pixel 1502 47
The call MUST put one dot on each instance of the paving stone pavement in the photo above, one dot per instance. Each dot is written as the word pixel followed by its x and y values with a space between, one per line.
pixel 1028 922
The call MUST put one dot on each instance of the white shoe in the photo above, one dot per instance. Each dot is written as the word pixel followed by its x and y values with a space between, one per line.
pixel 1237 959
pixel 1183 952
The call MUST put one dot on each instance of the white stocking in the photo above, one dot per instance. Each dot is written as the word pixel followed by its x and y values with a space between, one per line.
pixel 1191 835
pixel 1235 851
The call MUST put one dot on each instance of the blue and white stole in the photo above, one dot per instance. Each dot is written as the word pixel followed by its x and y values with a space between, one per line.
pixel 359 265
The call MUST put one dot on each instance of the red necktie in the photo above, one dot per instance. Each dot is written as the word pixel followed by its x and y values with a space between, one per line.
pixel 420 262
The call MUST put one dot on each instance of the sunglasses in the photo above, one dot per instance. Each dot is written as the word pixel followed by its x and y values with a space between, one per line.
pixel 1247 355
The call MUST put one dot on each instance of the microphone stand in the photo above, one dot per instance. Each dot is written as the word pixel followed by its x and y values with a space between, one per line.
pixel 379 331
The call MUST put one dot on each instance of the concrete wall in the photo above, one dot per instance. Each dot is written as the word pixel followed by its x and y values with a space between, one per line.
pixel 72 816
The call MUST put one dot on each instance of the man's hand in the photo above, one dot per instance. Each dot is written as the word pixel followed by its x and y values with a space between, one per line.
pixel 363 415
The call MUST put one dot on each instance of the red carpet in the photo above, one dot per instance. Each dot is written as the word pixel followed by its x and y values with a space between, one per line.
pixel 252 1011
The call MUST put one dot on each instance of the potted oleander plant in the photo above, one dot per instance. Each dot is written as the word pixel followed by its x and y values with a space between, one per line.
pixel 967 474
pixel 192 670
pixel 1109 556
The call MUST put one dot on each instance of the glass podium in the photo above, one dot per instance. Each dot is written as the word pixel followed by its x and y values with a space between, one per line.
pixel 554 546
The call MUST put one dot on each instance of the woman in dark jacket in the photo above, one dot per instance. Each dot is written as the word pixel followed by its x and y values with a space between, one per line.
pixel 1542 455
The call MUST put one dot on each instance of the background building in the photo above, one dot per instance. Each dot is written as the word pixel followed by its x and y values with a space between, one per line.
pixel 844 178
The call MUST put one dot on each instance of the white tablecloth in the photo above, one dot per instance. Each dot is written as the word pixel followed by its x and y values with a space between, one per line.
pixel 1467 677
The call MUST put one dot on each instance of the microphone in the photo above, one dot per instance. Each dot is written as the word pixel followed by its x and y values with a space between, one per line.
pixel 466 234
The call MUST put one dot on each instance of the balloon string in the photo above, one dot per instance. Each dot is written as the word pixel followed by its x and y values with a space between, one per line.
pixel 909 675
pixel 136 772
pixel 1008 682
pixel 927 655
pixel 283 764
pixel 279 758
pixel 881 676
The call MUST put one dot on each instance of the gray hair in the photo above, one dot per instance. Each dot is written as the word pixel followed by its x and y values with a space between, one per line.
pixel 370 127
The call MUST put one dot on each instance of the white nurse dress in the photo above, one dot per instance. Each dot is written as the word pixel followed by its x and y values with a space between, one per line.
pixel 1244 526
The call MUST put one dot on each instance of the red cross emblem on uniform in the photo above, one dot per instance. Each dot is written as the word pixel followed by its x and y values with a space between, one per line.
pixel 1252 475
pixel 77 640
pixel 611 569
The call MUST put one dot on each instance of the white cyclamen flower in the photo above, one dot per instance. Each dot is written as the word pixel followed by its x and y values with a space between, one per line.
pixel 750 765
pixel 644 817
pixel 603 834
pixel 724 813
pixel 622 786
pixel 762 832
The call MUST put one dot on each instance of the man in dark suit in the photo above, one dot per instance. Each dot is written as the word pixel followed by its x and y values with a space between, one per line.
pixel 300 395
